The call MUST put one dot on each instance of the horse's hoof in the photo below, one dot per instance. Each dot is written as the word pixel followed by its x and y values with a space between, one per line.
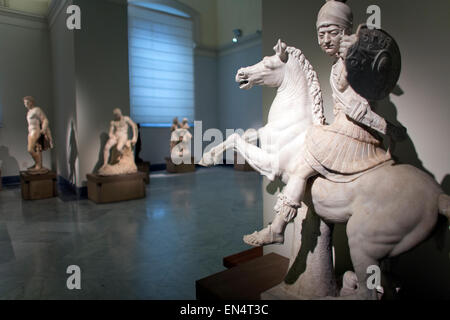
pixel 206 161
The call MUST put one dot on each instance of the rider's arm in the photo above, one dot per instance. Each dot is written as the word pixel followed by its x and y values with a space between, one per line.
pixel 135 130
pixel 359 110
pixel 355 106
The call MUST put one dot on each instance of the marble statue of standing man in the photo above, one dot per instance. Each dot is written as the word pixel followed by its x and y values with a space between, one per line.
pixel 39 134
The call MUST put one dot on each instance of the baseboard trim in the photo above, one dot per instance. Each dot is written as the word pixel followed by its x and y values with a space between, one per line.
pixel 69 191
pixel 11 181
pixel 157 167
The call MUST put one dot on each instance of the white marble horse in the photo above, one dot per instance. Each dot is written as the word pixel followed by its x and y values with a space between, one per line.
pixel 389 209
pixel 297 106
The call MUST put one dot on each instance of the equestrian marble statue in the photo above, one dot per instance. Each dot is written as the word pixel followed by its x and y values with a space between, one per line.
pixel 39 135
pixel 340 170
pixel 118 151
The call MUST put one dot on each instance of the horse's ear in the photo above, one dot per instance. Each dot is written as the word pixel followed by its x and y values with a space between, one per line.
pixel 280 50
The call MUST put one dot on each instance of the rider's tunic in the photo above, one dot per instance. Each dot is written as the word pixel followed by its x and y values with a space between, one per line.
pixel 345 146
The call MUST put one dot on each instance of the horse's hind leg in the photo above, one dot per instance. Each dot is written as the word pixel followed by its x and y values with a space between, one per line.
pixel 366 255
pixel 362 261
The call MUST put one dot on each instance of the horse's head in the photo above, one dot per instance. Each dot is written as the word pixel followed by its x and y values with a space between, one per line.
pixel 268 72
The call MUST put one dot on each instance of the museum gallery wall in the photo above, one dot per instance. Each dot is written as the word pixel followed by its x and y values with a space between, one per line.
pixel 76 102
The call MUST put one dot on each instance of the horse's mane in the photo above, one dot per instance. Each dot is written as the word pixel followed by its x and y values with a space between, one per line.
pixel 313 84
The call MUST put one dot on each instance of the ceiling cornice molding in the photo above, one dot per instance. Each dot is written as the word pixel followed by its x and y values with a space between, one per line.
pixel 22 19
pixel 244 43
pixel 55 8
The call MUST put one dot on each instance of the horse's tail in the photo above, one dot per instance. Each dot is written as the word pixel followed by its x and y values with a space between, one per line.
pixel 444 205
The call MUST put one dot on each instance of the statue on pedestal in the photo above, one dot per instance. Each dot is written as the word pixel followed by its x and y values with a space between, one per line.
pixel 39 135
pixel 185 124
pixel 119 146
pixel 389 208
pixel 180 142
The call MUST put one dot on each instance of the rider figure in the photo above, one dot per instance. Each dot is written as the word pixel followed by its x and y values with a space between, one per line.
pixel 347 146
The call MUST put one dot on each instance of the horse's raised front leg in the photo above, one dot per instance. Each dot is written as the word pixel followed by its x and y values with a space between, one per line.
pixel 259 159
pixel 214 156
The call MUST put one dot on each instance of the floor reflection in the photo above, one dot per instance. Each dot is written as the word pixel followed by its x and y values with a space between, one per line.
pixel 153 248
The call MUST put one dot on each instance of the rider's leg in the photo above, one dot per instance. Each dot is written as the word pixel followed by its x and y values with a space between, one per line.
pixel 286 208
pixel 121 143
pixel 111 143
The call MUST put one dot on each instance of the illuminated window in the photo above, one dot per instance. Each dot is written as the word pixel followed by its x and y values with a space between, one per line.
pixel 161 59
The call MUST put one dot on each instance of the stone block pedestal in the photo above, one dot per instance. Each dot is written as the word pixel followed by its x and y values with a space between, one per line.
pixel 38 186
pixel 246 281
pixel 180 168
pixel 106 189
pixel 144 167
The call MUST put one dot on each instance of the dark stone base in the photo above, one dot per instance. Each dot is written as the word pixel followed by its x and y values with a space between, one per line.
pixel 38 186
pixel 180 168
pixel 242 257
pixel 144 167
pixel 246 281
pixel 107 189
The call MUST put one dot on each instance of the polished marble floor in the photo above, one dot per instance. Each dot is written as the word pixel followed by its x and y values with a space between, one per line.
pixel 153 248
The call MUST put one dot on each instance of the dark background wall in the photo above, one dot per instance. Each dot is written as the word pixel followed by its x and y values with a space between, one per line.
pixel 24 70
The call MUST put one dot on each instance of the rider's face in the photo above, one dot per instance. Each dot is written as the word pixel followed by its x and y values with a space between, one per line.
pixel 330 39
pixel 117 115
pixel 28 104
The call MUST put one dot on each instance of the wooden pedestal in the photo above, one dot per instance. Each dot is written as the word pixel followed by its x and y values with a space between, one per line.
pixel 39 186
pixel 144 167
pixel 180 168
pixel 245 281
pixel 106 189
pixel 242 257
pixel 241 167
